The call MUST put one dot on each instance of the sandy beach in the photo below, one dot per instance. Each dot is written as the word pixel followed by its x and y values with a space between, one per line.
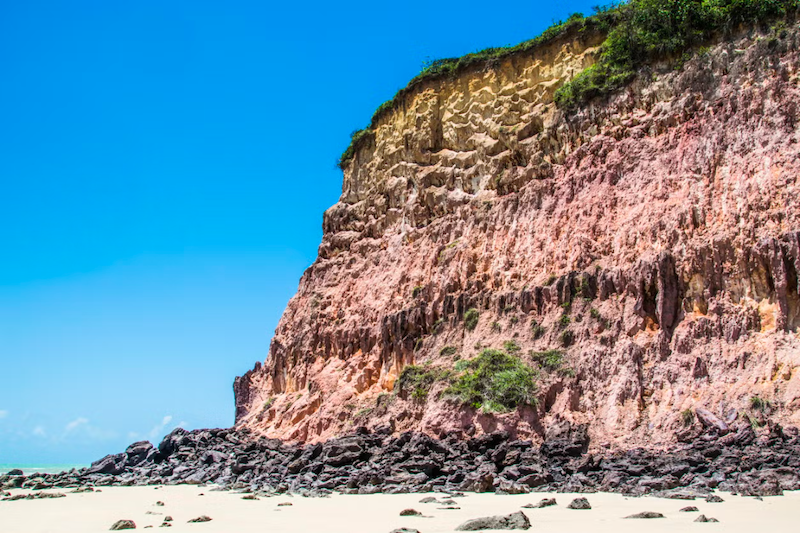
pixel 96 512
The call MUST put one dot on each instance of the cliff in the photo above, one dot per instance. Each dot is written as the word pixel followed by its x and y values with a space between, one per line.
pixel 648 242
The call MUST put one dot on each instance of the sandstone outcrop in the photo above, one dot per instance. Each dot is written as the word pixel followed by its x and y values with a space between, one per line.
pixel 662 222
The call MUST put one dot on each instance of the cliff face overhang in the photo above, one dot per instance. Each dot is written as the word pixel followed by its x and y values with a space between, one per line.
pixel 663 219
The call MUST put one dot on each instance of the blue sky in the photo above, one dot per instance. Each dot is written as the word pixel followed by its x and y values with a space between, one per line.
pixel 164 168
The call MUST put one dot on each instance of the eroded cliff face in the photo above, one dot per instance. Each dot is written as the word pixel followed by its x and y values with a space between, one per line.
pixel 663 222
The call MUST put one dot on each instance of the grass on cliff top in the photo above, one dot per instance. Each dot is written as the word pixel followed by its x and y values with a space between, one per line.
pixel 649 30
pixel 638 32
pixel 452 66
pixel 494 381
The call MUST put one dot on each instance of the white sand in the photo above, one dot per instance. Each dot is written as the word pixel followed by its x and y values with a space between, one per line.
pixel 379 513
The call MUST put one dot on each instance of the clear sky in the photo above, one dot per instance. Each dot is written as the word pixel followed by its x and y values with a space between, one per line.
pixel 164 166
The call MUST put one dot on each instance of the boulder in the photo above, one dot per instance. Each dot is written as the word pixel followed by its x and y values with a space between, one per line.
pixel 579 503
pixel 516 520
pixel 703 518
pixel 546 502
pixel 119 525
pixel 646 514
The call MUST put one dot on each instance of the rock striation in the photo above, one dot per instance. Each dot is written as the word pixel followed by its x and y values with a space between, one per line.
pixel 652 236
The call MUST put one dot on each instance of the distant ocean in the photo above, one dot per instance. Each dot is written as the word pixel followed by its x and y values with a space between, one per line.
pixel 35 468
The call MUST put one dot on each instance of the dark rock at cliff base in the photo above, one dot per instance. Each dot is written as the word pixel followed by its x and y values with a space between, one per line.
pixel 119 525
pixel 546 502
pixel 565 439
pixel 579 503
pixel 409 462
pixel 516 520
pixel 15 472
pixel 646 514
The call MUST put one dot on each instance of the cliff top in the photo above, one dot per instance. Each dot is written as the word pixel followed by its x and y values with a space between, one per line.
pixel 638 32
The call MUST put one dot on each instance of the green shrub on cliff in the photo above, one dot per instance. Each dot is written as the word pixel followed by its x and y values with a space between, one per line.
pixel 471 318
pixel 495 381
pixel 650 30
pixel 417 381
pixel 550 360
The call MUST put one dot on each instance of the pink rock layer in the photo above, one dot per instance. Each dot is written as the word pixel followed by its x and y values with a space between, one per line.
pixel 664 221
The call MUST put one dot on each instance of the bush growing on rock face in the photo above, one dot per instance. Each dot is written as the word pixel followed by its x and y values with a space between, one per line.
pixel 550 360
pixel 537 331
pixel 758 404
pixel 447 351
pixel 471 319
pixel 511 347
pixel 418 380
pixel 495 382
pixel 567 338
pixel 644 31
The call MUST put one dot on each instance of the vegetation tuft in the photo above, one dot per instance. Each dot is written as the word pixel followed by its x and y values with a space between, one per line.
pixel 758 403
pixel 447 351
pixel 644 31
pixel 471 318
pixel 550 360
pixel 417 381
pixel 536 330
pixel 494 381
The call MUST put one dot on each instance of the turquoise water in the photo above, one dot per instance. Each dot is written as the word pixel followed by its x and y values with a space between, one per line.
pixel 40 468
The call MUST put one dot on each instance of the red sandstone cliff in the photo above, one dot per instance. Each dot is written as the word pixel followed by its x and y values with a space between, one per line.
pixel 663 221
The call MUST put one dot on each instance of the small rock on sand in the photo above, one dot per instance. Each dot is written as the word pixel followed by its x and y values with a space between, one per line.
pixel 410 512
pixel 713 498
pixel 119 525
pixel 199 519
pixel 159 504
pixel 689 509
pixel 167 519
pixel 429 499
pixel 702 518
pixel 646 514
pixel 285 504
pixel 516 520
pixel 546 502
pixel 250 497
pixel 579 503
pixel 405 530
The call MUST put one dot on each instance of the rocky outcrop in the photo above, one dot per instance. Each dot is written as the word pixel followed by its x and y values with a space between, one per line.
pixel 653 237
pixel 761 462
